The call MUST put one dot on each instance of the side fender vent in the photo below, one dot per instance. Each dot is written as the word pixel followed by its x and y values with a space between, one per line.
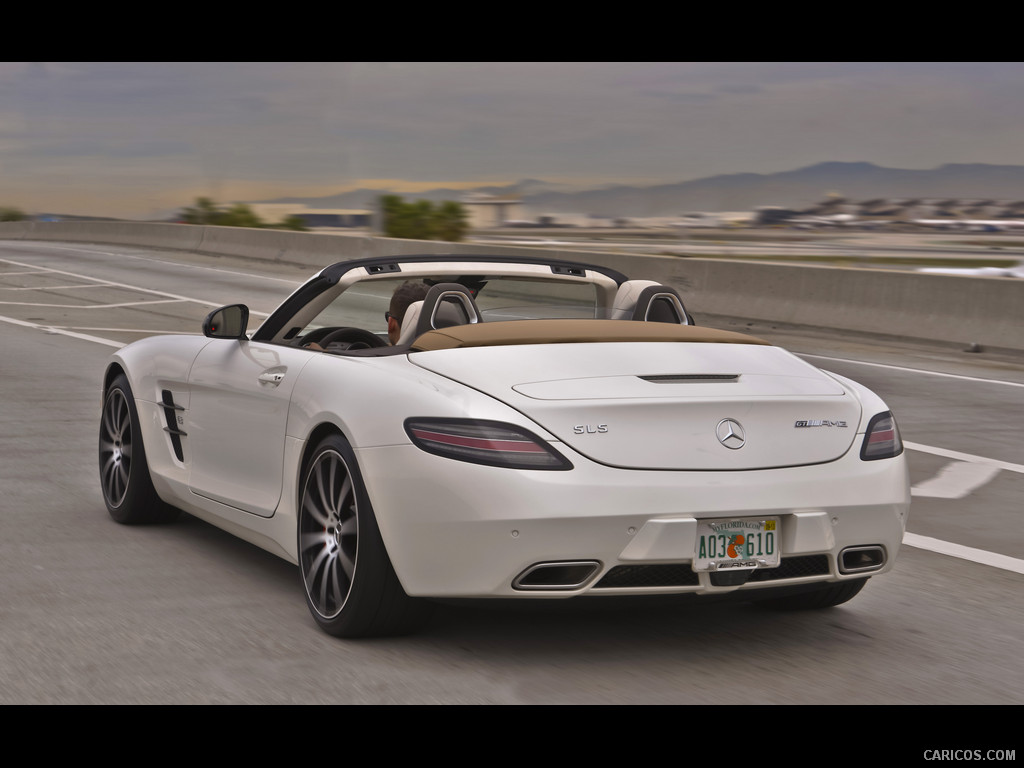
pixel 171 416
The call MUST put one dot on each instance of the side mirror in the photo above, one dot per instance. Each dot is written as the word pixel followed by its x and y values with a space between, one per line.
pixel 227 322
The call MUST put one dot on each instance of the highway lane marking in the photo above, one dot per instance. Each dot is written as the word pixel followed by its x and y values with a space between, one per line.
pixel 95 306
pixel 170 297
pixel 968 457
pixel 25 272
pixel 111 283
pixel 956 480
pixel 47 287
pixel 960 478
pixel 1003 562
pixel 62 332
pixel 233 272
pixel 915 370
pixel 152 331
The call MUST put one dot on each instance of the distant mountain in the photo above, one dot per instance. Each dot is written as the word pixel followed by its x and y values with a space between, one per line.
pixel 800 188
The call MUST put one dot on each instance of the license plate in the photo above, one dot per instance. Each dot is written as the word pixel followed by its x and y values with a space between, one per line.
pixel 740 543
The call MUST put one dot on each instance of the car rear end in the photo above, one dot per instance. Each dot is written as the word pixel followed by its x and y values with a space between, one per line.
pixel 638 468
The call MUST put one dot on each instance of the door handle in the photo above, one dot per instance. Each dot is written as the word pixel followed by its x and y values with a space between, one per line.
pixel 273 378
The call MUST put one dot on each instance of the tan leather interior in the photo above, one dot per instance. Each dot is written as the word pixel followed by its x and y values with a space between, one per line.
pixel 564 331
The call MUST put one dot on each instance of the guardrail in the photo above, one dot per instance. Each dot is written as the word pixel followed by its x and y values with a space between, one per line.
pixel 939 308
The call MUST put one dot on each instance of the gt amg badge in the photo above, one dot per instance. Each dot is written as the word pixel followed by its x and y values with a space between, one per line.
pixel 730 434
pixel 818 423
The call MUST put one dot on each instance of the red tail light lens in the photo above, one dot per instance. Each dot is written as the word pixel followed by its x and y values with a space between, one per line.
pixel 484 442
pixel 882 440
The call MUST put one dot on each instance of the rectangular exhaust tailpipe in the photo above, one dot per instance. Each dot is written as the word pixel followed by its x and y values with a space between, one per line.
pixel 861 559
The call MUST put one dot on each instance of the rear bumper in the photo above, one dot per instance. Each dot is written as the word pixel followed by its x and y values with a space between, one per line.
pixel 454 529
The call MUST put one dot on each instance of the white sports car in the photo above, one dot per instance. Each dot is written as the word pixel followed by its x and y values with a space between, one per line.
pixel 538 429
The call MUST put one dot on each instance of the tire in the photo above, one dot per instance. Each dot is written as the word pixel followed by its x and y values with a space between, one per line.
pixel 124 474
pixel 824 596
pixel 350 585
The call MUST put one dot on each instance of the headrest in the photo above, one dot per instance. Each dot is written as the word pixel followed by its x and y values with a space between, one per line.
pixel 409 323
pixel 445 305
pixel 626 296
pixel 650 301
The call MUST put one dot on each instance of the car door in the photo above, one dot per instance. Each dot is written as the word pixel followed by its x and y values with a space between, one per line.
pixel 240 393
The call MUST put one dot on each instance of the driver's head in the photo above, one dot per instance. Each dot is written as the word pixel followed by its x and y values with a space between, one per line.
pixel 407 293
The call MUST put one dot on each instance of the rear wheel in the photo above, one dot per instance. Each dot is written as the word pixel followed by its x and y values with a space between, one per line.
pixel 124 474
pixel 824 596
pixel 351 587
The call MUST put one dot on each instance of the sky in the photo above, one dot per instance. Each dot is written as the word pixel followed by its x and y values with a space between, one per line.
pixel 138 140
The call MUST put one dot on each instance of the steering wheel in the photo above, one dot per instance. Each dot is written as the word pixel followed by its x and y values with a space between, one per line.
pixel 357 337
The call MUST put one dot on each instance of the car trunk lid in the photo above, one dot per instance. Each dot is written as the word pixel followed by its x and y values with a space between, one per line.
pixel 672 406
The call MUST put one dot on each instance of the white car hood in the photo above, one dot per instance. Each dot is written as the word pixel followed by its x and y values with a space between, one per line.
pixel 679 406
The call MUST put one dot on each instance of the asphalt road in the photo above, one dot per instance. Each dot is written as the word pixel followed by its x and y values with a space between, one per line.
pixel 94 612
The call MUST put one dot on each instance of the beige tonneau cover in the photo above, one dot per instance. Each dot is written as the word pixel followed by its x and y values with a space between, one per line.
pixel 572 331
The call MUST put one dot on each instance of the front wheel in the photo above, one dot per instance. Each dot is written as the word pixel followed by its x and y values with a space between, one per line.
pixel 124 474
pixel 350 585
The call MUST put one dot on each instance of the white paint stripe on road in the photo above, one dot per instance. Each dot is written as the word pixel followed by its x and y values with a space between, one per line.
pixel 150 331
pixel 95 306
pixel 955 480
pixel 916 370
pixel 120 285
pixel 49 287
pixel 171 297
pixel 136 256
pixel 993 559
pixel 945 452
pixel 62 332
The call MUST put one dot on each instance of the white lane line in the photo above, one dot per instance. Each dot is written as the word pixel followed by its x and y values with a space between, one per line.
pixel 970 457
pixel 170 297
pixel 233 272
pixel 916 370
pixel 993 559
pixel 49 287
pixel 23 272
pixel 95 306
pixel 62 332
pixel 955 480
pixel 150 331
pixel 121 285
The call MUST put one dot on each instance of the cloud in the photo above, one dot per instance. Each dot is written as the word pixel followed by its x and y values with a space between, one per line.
pixel 220 126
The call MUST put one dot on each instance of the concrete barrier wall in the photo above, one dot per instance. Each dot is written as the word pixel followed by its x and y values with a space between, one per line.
pixel 952 309
pixel 943 308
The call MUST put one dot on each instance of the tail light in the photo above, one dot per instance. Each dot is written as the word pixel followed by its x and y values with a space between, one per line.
pixel 882 439
pixel 484 442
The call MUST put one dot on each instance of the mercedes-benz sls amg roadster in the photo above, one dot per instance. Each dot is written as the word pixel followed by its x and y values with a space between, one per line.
pixel 533 429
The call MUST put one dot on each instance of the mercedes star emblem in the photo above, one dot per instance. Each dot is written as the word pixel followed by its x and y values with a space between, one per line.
pixel 730 433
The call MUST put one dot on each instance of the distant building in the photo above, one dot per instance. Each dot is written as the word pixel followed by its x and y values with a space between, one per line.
pixel 491 211
pixel 704 219
pixel 772 215
pixel 314 218
pixel 343 218
pixel 901 214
